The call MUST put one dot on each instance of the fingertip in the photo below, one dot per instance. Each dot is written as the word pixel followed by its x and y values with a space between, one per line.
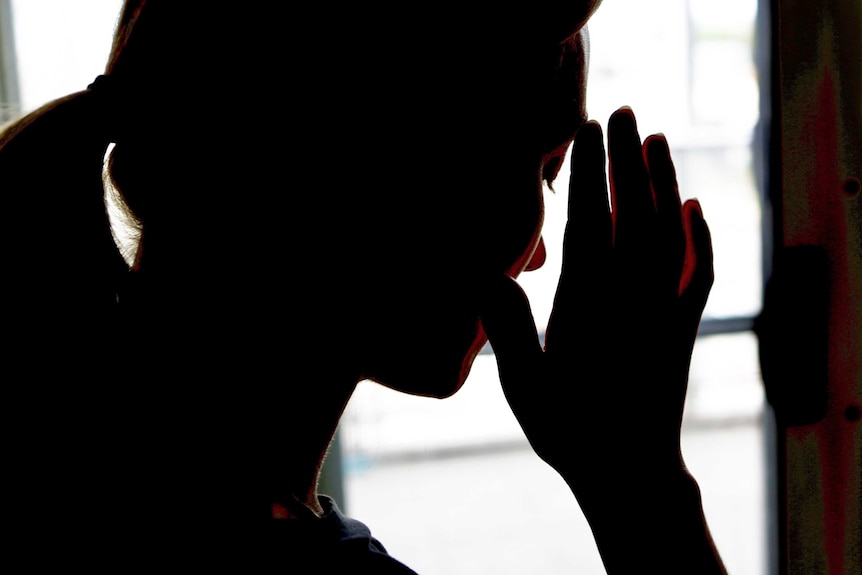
pixel 590 130
pixel 657 149
pixel 507 320
pixel 700 238
pixel 658 139
pixel 693 210
pixel 624 114
pixel 623 129
pixel 500 295
pixel 589 142
pixel 695 204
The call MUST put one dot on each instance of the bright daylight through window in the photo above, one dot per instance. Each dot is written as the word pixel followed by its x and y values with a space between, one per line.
pixel 686 67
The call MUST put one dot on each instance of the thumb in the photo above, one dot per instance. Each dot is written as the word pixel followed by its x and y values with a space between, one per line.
pixel 508 322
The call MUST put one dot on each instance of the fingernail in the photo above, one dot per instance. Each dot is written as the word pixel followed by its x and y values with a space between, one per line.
pixel 626 111
pixel 624 114
pixel 590 127
pixel 659 138
pixel 697 207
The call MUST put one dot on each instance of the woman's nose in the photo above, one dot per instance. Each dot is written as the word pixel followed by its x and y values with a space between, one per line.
pixel 538 258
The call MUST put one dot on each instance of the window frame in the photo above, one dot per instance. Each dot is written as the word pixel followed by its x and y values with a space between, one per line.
pixel 10 97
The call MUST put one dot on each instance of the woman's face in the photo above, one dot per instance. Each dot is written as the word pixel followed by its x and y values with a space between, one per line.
pixel 422 331
pixel 467 212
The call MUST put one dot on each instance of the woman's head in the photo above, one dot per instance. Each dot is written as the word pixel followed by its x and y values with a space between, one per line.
pixel 385 161
pixel 400 153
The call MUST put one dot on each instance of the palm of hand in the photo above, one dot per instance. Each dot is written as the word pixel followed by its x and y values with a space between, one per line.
pixel 607 392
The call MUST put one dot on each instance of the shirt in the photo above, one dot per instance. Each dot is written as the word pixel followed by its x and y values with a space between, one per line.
pixel 331 543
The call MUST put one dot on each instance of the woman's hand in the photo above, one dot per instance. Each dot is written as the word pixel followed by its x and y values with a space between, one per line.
pixel 603 402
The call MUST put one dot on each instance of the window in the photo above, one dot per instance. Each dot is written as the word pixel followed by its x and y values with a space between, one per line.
pixel 687 69
pixel 8 65
pixel 56 48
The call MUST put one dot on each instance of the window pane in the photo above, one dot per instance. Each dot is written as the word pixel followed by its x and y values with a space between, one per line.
pixel 452 486
pixel 463 466
pixel 687 69
pixel 61 45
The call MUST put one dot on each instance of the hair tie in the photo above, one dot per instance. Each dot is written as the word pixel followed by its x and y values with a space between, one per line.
pixel 99 84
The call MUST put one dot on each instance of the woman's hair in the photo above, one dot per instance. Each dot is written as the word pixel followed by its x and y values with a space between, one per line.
pixel 127 131
pixel 58 239
pixel 42 154
pixel 52 173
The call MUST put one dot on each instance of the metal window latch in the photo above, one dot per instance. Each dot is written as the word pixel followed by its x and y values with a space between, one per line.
pixel 793 338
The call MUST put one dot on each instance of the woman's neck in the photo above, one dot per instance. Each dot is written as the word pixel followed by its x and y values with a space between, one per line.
pixel 311 425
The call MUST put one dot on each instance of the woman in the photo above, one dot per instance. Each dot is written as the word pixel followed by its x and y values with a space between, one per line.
pixel 321 198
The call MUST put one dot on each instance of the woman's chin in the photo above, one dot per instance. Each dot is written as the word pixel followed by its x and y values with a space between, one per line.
pixel 439 375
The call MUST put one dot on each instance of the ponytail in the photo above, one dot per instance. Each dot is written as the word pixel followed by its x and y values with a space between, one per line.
pixel 61 274
pixel 61 263
pixel 60 256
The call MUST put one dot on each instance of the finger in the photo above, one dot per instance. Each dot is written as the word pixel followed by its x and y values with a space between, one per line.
pixel 508 322
pixel 695 285
pixel 588 210
pixel 587 240
pixel 531 395
pixel 631 197
pixel 588 230
pixel 698 273
pixel 669 227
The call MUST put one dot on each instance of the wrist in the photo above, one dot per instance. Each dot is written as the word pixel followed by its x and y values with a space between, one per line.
pixel 651 519
pixel 642 475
